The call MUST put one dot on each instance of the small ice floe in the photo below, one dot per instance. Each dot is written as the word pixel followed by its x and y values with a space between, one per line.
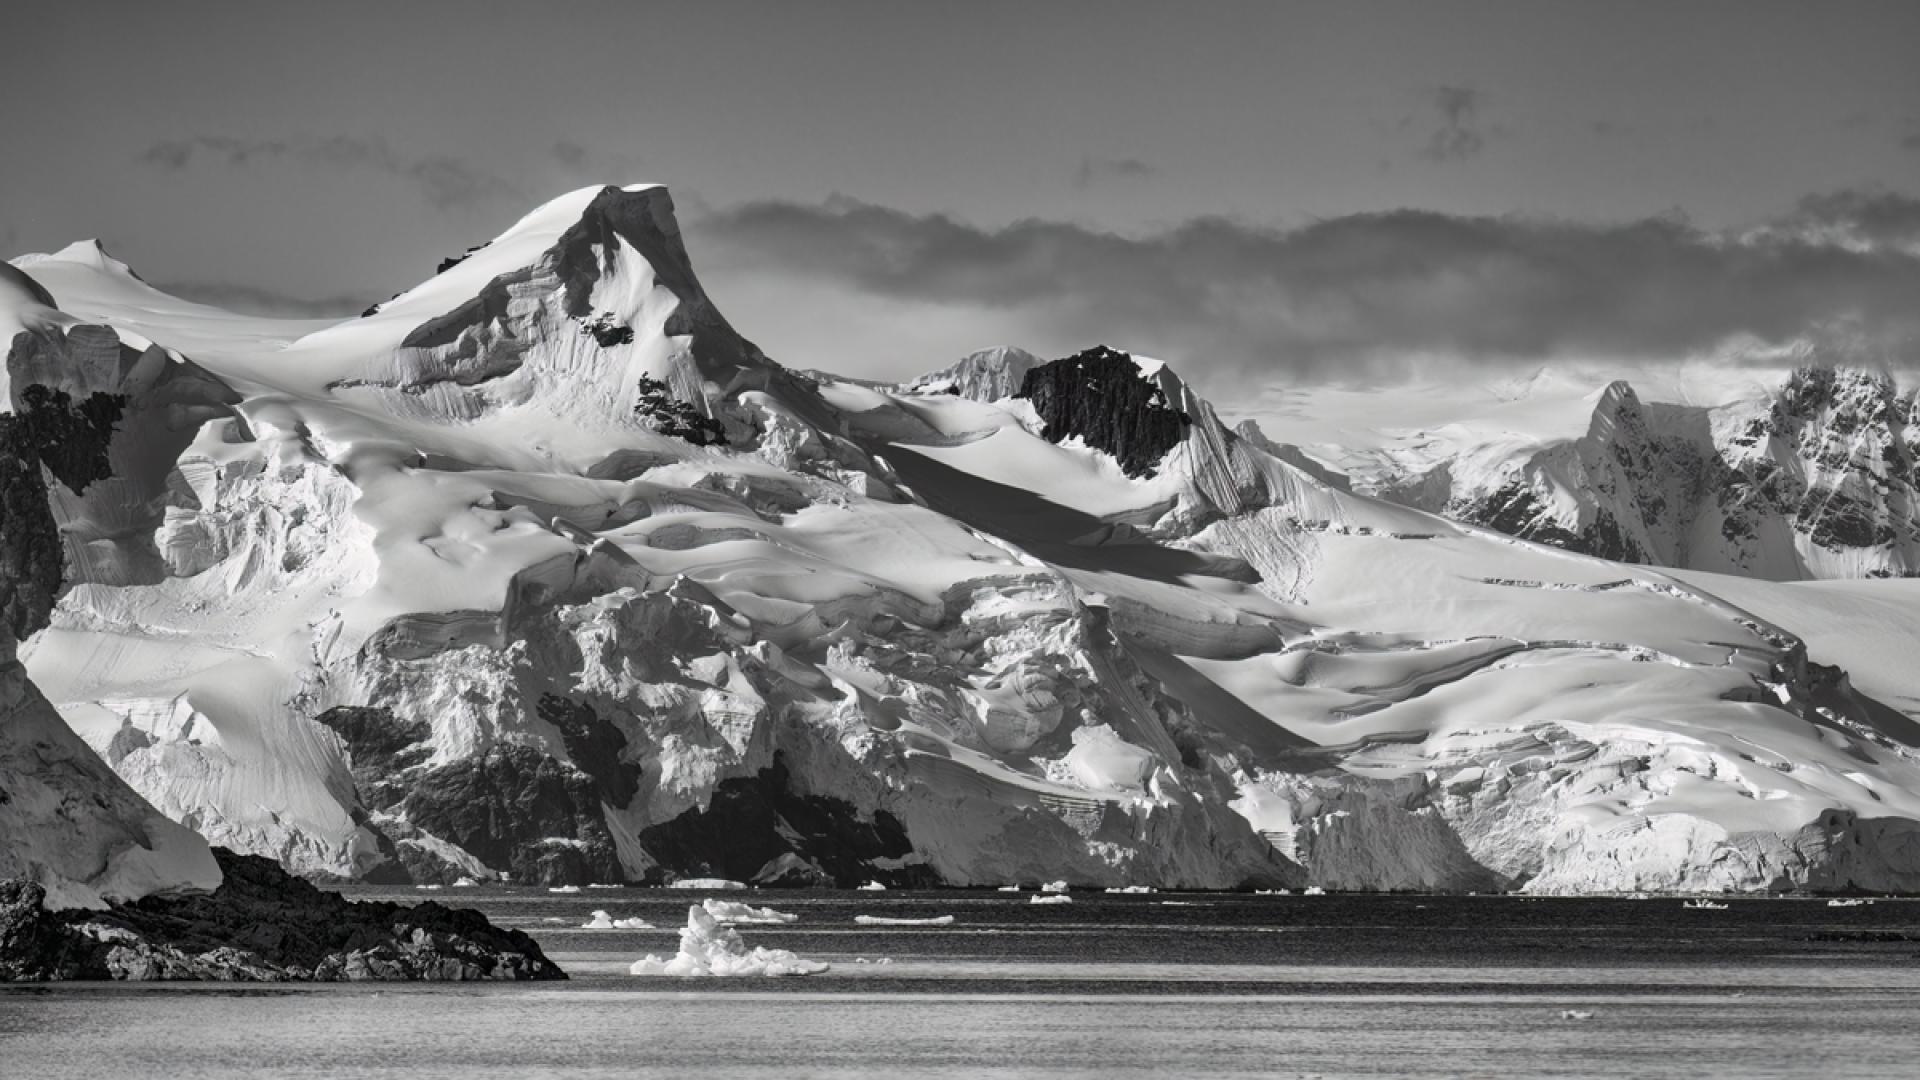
pixel 864 960
pixel 1314 890
pixel 602 885
pixel 1576 1014
pixel 1639 896
pixel 1178 903
pixel 734 912
pixel 707 948
pixel 466 883
pixel 1132 890
pixel 881 920
pixel 1273 892
pixel 1050 898
pixel 1054 887
pixel 564 888
pixel 707 883
pixel 1009 888
pixel 429 887
pixel 603 921
pixel 873 886
pixel 1703 904
pixel 1849 902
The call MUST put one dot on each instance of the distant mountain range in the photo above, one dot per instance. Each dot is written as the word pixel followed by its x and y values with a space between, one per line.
pixel 540 569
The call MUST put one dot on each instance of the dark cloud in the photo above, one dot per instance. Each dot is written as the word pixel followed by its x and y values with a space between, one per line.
pixel 1092 170
pixel 1353 294
pixel 445 182
pixel 1459 133
pixel 253 300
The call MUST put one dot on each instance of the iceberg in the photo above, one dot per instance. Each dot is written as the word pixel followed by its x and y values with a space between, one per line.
pixel 1051 898
pixel 1703 905
pixel 1008 888
pixel 873 886
pixel 881 920
pixel 603 921
pixel 733 912
pixel 466 883
pixel 1855 902
pixel 708 948
pixel 564 889
pixel 1132 890
pixel 1054 887
pixel 707 883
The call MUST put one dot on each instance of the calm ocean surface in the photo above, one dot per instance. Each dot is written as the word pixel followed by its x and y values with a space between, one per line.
pixel 1115 987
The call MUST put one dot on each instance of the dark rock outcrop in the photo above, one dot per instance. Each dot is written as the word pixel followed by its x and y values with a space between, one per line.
pixel 1102 396
pixel 518 808
pixel 758 828
pixel 261 925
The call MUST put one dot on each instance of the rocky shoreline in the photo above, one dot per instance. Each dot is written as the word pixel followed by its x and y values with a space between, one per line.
pixel 261 925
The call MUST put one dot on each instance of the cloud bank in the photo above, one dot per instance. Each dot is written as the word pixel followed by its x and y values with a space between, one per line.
pixel 1364 294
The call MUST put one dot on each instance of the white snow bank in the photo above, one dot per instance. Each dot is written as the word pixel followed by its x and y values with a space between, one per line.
pixel 881 920
pixel 707 883
pixel 732 911
pixel 603 921
pixel 1051 898
pixel 707 948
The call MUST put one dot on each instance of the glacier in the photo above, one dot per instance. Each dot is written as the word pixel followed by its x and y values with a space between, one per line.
pixel 422 596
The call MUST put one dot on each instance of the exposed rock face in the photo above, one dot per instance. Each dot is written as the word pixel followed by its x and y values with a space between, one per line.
pixel 260 925
pixel 1102 397
pixel 758 829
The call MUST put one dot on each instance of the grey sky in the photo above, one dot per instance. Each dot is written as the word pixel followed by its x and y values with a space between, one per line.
pixel 330 154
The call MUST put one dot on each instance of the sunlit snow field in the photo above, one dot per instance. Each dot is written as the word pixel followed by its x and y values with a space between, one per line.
pixel 1108 986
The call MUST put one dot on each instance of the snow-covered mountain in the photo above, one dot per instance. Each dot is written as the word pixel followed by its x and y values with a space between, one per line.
pixel 540 568
pixel 1811 477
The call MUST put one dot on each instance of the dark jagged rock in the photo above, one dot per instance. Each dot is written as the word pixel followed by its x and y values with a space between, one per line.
pixel 1102 396
pixel 759 829
pixel 596 745
pixel 46 429
pixel 380 747
pixel 675 418
pixel 261 925
pixel 518 808
pixel 608 331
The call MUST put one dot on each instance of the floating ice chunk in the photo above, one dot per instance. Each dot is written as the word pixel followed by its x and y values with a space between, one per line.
pixel 564 888
pixel 1054 887
pixel 428 887
pixel 873 886
pixel 1132 890
pixel 1051 898
pixel 1854 902
pixel 1576 1014
pixel 881 920
pixel 707 883
pixel 1273 892
pixel 733 911
pixel 602 885
pixel 466 883
pixel 603 921
pixel 1313 890
pixel 1703 905
pixel 1009 888
pixel 707 948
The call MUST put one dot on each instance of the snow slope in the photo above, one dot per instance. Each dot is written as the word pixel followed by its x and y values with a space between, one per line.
pixel 430 600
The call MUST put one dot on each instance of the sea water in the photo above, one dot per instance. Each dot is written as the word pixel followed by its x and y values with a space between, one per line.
pixel 1109 986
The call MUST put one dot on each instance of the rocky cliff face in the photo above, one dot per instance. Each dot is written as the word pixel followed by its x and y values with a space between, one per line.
pixel 1102 397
